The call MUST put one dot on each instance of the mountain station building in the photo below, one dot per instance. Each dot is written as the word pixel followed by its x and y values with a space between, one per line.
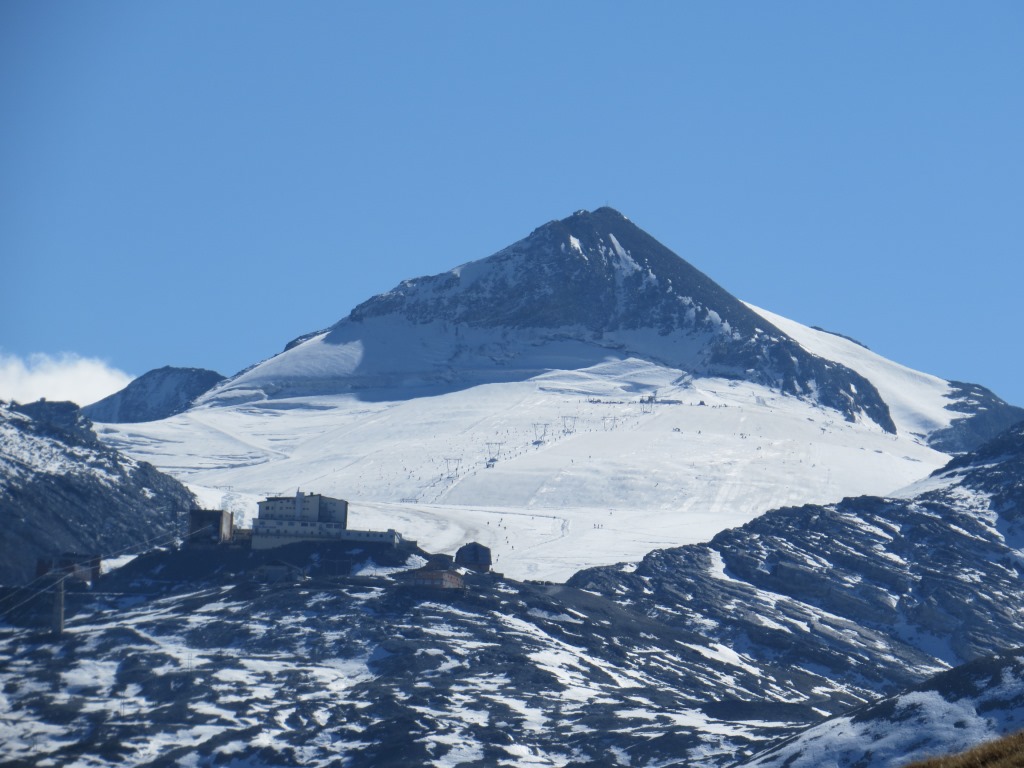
pixel 309 517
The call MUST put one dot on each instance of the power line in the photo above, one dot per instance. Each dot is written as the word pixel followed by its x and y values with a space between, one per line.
pixel 152 543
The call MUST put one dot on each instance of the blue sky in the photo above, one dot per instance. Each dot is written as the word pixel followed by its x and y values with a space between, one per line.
pixel 195 183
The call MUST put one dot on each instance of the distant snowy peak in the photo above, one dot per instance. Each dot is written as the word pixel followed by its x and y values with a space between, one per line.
pixel 155 395
pixel 595 274
pixel 568 296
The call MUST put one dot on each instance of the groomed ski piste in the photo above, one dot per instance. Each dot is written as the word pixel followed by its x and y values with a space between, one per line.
pixel 565 470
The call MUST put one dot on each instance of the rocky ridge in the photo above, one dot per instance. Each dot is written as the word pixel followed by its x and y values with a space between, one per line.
pixel 62 490
pixel 932 578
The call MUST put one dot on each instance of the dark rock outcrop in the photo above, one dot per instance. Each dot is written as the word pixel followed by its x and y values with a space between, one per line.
pixel 981 416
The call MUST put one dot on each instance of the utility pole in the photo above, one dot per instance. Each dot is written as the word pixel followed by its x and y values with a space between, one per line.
pixel 57 628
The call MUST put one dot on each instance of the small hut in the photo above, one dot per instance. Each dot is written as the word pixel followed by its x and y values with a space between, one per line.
pixel 474 556
pixel 209 527
pixel 437 579
pixel 277 571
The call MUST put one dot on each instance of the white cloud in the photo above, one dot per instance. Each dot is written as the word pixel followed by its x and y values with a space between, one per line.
pixel 66 376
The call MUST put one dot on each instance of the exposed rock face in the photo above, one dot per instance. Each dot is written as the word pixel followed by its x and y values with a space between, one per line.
pixel 62 490
pixel 155 395
pixel 981 417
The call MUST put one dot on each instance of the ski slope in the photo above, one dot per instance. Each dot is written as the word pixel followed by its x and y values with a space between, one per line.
pixel 562 471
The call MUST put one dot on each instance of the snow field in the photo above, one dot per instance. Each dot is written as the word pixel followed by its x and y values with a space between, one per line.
pixel 558 473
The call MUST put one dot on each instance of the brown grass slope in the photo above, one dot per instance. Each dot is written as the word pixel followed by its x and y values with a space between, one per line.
pixel 1007 752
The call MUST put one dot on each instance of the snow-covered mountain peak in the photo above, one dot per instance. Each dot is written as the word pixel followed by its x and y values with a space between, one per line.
pixel 573 294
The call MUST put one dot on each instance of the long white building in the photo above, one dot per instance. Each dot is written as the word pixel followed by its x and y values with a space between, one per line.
pixel 309 517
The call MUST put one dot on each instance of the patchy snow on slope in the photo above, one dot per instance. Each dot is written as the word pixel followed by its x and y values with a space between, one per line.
pixel 24 455
pixel 923 724
pixel 626 263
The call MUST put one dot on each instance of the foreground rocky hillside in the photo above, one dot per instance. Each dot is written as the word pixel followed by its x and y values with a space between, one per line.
pixel 950 713
pixel 702 655
pixel 877 593
pixel 62 490
pixel 363 671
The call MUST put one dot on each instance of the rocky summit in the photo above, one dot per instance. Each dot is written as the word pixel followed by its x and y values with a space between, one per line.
pixel 568 295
